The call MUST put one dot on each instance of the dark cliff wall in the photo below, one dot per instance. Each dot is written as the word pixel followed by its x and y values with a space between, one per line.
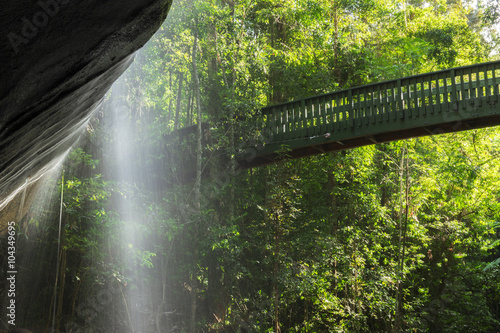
pixel 58 59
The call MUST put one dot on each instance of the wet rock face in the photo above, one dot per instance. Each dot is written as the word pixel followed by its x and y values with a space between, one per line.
pixel 58 59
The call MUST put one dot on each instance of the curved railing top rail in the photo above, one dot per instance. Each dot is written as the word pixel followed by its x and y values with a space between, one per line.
pixel 457 71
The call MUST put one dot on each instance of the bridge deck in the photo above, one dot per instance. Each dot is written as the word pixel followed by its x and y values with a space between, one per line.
pixel 446 101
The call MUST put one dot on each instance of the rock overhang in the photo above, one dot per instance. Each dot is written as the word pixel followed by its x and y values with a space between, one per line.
pixel 59 57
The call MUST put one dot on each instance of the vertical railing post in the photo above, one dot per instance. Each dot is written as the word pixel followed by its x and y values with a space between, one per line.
pixel 315 119
pixel 487 86
pixel 479 87
pixel 446 92
pixel 438 94
pixel 296 118
pixel 307 115
pixel 414 112
pixel 366 105
pixel 394 103
pixel 399 103
pixel 372 106
pixel 286 122
pixel 431 95
pixel 279 122
pixel 330 116
pixel 276 123
pixel 454 97
pixel 382 93
pixel 495 83
pixel 323 114
pixel 386 107
pixel 336 112
pixel 304 118
pixel 463 93
pixel 467 92
pixel 343 110
pixel 422 96
pixel 360 115
pixel 350 115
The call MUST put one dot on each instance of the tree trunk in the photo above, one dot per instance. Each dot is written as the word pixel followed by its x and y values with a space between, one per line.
pixel 189 108
pixel 178 104
pixel 192 319
pixel 403 222
pixel 336 44
pixel 169 116
pixel 276 295
pixel 62 278
pixel 197 184
pixel 76 289
pixel 277 37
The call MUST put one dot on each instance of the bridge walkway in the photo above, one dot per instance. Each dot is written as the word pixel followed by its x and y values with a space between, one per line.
pixel 433 103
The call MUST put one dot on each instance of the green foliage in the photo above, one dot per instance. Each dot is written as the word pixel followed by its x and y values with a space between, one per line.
pixel 330 243
pixel 496 243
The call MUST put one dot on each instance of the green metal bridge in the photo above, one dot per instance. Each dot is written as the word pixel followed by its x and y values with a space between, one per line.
pixel 451 100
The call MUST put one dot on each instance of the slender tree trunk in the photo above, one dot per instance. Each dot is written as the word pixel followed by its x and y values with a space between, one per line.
pixel 403 222
pixel 192 321
pixel 278 38
pixel 178 104
pixel 336 43
pixel 76 289
pixel 169 116
pixel 276 294
pixel 270 97
pixel 62 278
pixel 53 304
pixel 162 308
pixel 332 186
pixel 197 184
pixel 131 323
pixel 189 108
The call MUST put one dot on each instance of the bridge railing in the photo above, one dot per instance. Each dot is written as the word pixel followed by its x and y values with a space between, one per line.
pixel 377 104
